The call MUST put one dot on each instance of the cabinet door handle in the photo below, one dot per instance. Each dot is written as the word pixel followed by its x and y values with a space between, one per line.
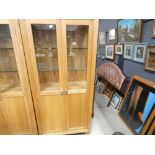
pixel 62 91
pixel 66 91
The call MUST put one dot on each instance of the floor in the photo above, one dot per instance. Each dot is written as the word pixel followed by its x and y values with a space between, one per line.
pixel 106 120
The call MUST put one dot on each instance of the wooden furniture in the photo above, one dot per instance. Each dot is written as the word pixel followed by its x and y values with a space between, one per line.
pixel 16 107
pixel 61 58
pixel 114 79
pixel 138 107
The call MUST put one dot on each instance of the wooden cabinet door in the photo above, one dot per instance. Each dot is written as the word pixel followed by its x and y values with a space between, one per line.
pixel 16 107
pixel 77 53
pixel 42 43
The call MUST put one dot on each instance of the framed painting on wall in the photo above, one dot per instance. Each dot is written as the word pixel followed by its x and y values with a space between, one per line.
pixel 140 52
pixel 102 38
pixel 128 51
pixel 153 29
pixel 150 58
pixel 119 49
pixel 129 30
pixel 112 34
pixel 109 52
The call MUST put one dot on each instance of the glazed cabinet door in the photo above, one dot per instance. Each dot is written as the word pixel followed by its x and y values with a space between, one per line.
pixel 77 52
pixel 42 43
pixel 16 107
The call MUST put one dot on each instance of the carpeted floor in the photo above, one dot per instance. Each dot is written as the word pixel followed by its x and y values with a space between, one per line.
pixel 106 120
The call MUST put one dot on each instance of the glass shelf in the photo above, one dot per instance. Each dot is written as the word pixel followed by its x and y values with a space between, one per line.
pixel 9 79
pixel 14 91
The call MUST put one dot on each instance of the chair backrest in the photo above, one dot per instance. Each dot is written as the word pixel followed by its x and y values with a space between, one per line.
pixel 112 74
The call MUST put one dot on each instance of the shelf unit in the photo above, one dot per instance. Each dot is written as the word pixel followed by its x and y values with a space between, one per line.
pixel 16 106
pixel 60 56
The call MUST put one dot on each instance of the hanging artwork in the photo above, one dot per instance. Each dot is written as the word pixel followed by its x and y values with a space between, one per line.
pixel 102 38
pixel 112 34
pixel 128 51
pixel 153 29
pixel 109 52
pixel 129 30
pixel 119 49
pixel 139 52
pixel 150 58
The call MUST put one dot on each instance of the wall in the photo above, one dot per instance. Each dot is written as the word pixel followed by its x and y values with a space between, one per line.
pixel 130 68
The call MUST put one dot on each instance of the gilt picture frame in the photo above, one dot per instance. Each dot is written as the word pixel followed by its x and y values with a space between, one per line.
pixel 119 49
pixel 150 58
pixel 129 30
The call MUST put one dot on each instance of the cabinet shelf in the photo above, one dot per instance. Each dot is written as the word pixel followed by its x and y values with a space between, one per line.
pixel 8 71
pixel 56 69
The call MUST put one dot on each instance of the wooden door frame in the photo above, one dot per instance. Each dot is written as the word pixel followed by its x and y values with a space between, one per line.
pixel 22 70
pixel 91 59
pixel 27 37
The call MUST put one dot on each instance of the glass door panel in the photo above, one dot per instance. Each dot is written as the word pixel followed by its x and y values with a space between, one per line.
pixel 46 52
pixel 77 52
pixel 9 78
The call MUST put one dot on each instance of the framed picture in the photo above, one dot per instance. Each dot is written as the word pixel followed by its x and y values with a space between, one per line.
pixel 112 34
pixel 119 49
pixel 116 100
pixel 150 58
pixel 102 38
pixel 153 29
pixel 129 30
pixel 140 52
pixel 109 52
pixel 128 51
pixel 138 105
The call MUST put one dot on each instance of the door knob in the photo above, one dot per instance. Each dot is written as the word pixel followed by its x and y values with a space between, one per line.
pixel 66 91
pixel 62 91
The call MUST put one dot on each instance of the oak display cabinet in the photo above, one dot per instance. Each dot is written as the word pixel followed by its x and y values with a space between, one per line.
pixel 16 107
pixel 61 58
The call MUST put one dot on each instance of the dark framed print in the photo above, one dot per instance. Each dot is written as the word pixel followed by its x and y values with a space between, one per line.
pixel 102 38
pixel 150 58
pixel 128 51
pixel 109 52
pixel 138 105
pixel 116 100
pixel 153 29
pixel 129 30
pixel 112 34
pixel 140 52
pixel 119 49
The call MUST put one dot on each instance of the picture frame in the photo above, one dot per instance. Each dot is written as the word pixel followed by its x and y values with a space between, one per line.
pixel 102 38
pixel 109 52
pixel 128 51
pixel 112 34
pixel 150 58
pixel 153 29
pixel 140 52
pixel 138 105
pixel 129 30
pixel 119 49
pixel 116 100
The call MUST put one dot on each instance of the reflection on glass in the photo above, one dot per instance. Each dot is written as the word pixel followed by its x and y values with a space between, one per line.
pixel 77 50
pixel 44 36
pixel 9 79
